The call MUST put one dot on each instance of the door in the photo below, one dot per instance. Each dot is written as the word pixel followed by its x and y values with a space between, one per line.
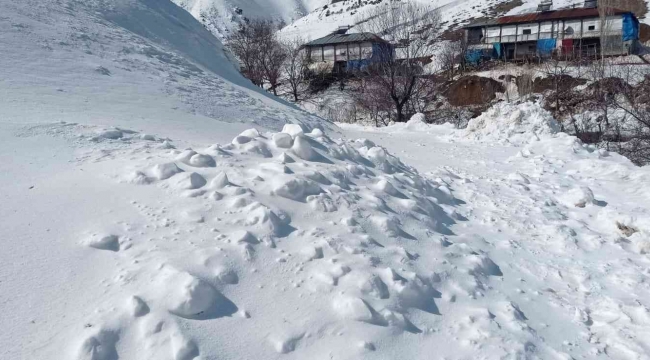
pixel 567 46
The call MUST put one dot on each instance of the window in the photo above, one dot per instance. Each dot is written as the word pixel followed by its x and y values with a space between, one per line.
pixel 591 27
pixel 527 31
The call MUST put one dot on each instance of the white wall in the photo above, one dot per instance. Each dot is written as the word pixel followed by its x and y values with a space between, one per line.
pixel 493 31
pixel 575 26
pixel 341 52
pixel 354 51
pixel 615 24
pixel 558 28
pixel 366 50
pixel 328 52
pixel 532 27
pixel 316 53
pixel 509 30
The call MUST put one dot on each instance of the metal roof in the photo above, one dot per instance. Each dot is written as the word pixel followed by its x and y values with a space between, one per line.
pixel 544 16
pixel 336 38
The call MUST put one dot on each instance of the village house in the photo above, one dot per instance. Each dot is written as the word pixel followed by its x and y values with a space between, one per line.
pixel 570 32
pixel 341 51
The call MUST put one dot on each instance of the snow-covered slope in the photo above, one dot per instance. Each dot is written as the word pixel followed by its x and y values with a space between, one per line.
pixel 326 19
pixel 221 16
pixel 131 62
pixel 312 19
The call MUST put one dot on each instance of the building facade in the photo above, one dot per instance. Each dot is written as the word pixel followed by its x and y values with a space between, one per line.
pixel 341 51
pixel 569 32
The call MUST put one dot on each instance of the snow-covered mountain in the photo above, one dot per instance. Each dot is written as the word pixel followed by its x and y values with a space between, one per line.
pixel 221 16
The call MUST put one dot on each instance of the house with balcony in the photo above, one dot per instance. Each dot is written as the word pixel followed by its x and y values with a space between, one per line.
pixel 342 51
pixel 570 32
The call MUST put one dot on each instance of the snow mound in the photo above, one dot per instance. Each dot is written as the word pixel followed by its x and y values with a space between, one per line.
pixel 282 140
pixel 188 296
pixel 512 123
pixel 417 122
pixel 99 346
pixel 104 242
pixel 164 171
pixel 204 251
pixel 578 197
pixel 293 129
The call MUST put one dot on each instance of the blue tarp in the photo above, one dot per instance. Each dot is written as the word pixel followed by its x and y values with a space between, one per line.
pixel 498 50
pixel 545 47
pixel 357 65
pixel 473 56
pixel 380 53
pixel 630 27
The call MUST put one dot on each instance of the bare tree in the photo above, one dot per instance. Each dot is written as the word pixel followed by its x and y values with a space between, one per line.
pixel 632 131
pixel 450 57
pixel 261 54
pixel 563 75
pixel 244 44
pixel 397 71
pixel 271 53
pixel 602 88
pixel 372 100
pixel 295 65
pixel 605 12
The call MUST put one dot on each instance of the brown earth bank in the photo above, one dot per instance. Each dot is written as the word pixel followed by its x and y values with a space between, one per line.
pixel 473 90
pixel 564 82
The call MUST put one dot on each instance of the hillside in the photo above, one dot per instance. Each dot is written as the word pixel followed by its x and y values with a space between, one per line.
pixel 139 61
pixel 312 19
pixel 221 16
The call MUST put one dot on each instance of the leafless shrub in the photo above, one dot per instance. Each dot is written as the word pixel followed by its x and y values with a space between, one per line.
pixel 373 101
pixel 244 44
pixel 561 97
pixel 260 53
pixel 396 80
pixel 450 57
pixel 294 66
pixel 525 83
pixel 632 130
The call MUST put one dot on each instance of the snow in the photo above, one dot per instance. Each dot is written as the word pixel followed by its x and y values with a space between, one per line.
pixel 312 19
pixel 507 122
pixel 163 67
pixel 302 149
pixel 139 223
pixel 223 16
pixel 322 20
pixel 546 214
pixel 105 242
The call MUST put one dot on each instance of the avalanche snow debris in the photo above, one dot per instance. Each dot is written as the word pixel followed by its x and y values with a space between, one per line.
pixel 295 130
pixel 282 140
pixel 165 171
pixel 273 204
pixel 104 242
pixel 512 123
